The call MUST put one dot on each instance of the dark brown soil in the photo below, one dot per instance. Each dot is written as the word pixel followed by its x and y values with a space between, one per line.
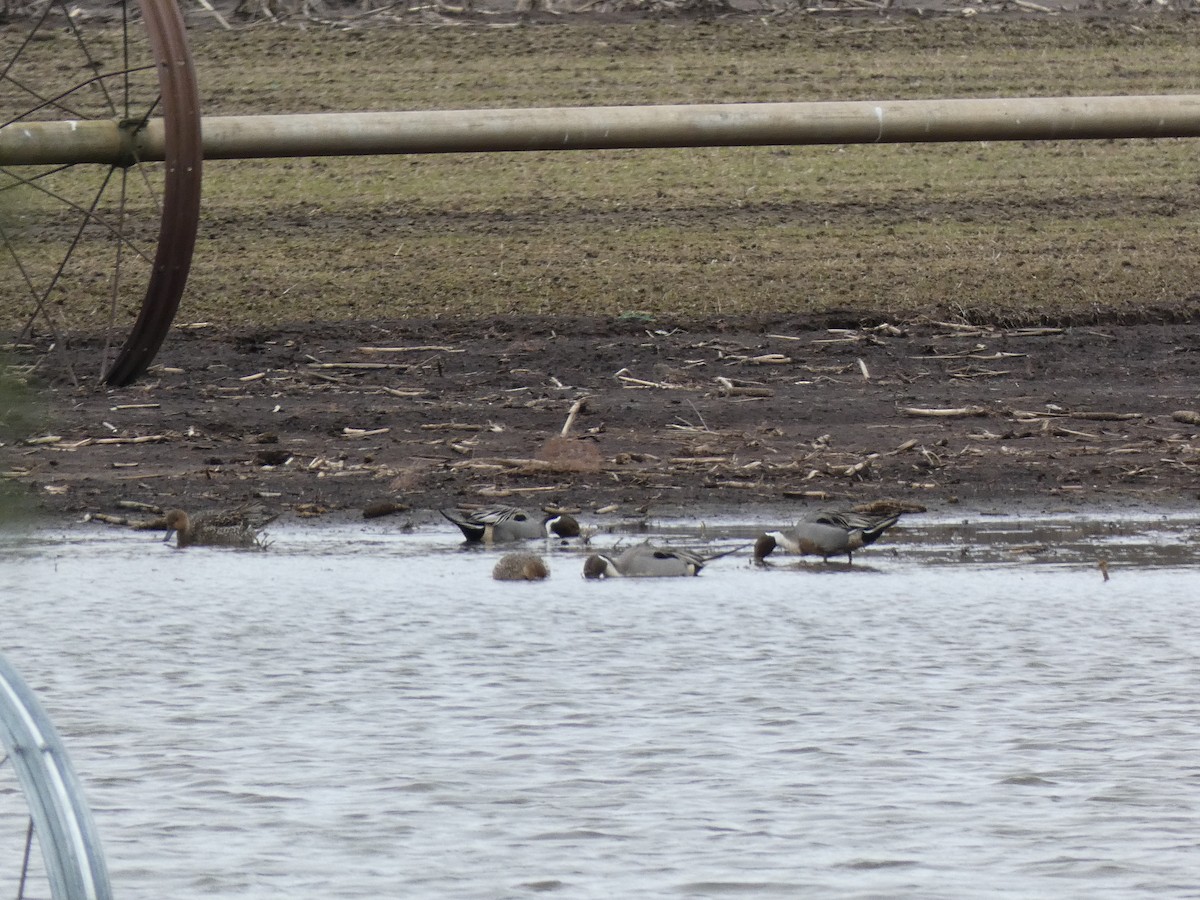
pixel 674 419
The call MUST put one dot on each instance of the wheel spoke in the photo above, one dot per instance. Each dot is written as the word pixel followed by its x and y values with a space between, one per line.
pixel 40 298
pixel 104 262
pixel 56 101
pixel 24 181
pixel 125 52
pixel 115 288
pixel 126 247
pixel 41 20
pixel 25 858
pixel 91 61
pixel 90 215
pixel 58 347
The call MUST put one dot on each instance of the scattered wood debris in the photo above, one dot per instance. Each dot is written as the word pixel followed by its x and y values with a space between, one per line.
pixel 362 366
pixel 359 433
pixel 803 434
pixel 107 519
pixel 792 494
pixel 576 408
pixel 420 348
pixel 496 491
pixel 461 426
pixel 854 470
pixel 728 388
pixel 141 439
pixel 979 372
pixel 1058 413
pixel 762 359
pixel 955 412
pixel 887 506
pixel 630 381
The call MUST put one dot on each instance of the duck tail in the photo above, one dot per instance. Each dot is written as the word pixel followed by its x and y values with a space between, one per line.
pixel 872 533
pixel 470 530
pixel 710 557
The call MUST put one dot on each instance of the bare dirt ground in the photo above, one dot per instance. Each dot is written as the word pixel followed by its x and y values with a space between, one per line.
pixel 673 420
pixel 673 414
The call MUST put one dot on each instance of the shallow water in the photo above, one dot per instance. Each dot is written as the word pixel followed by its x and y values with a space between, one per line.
pixel 968 710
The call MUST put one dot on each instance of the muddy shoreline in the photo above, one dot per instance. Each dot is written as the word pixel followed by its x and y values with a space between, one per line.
pixel 669 421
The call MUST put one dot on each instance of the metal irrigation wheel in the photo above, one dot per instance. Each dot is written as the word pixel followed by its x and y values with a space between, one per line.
pixel 97 256
pixel 42 807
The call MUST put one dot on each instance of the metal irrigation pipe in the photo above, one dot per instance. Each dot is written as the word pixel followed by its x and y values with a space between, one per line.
pixel 616 127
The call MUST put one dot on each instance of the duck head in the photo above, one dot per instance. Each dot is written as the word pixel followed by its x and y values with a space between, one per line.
pixel 597 566
pixel 177 521
pixel 561 525
pixel 763 547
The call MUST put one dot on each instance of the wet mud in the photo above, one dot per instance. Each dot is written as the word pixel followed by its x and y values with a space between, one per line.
pixel 634 418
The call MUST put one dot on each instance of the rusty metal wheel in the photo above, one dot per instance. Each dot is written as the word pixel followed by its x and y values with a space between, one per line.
pixel 96 257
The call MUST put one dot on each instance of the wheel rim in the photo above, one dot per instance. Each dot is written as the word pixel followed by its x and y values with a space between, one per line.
pixel 100 254
pixel 48 840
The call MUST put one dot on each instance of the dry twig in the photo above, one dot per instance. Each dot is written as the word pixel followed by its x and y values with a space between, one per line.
pixel 576 409
pixel 956 412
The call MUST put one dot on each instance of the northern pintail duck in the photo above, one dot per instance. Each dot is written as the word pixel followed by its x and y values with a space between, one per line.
pixel 499 524
pixel 826 534
pixel 520 567
pixel 230 528
pixel 646 561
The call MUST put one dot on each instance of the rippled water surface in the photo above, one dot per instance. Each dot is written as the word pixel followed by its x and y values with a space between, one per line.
pixel 970 710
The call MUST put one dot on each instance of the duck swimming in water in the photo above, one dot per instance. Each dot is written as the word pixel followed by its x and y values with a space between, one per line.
pixel 647 561
pixel 500 524
pixel 230 528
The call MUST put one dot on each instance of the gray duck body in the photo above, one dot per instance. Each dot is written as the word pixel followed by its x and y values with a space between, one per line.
pixel 501 524
pixel 826 533
pixel 644 561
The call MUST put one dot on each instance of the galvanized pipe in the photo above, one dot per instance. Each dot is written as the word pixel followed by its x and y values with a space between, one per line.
pixel 617 127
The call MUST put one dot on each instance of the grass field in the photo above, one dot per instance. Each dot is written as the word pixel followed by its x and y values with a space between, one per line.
pixel 1003 232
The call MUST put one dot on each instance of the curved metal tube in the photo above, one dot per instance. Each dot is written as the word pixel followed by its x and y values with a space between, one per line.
pixel 179 131
pixel 74 858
